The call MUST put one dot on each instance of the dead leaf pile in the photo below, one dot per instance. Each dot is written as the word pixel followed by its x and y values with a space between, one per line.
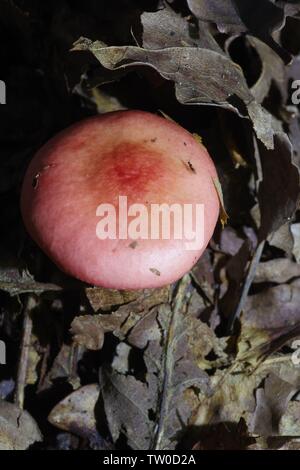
pixel 212 361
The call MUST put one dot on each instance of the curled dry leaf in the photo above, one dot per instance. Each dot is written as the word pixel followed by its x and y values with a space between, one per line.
pixel 279 189
pixel 76 414
pixel 272 69
pixel 89 330
pixel 14 282
pixel 237 17
pixel 182 65
pixel 62 367
pixel 18 430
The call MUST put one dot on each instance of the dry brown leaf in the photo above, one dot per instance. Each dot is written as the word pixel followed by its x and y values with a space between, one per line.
pixel 105 299
pixel 172 343
pixel 127 402
pixel 88 331
pixel 14 282
pixel 182 65
pixel 76 414
pixel 243 17
pixel 238 395
pixel 18 430
pixel 279 189
pixel 278 270
pixel 271 403
pixel 62 367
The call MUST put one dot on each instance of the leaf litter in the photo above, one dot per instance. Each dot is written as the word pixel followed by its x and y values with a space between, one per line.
pixel 186 365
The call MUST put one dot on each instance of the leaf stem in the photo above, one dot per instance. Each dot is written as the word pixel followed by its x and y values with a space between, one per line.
pixel 168 362
pixel 24 353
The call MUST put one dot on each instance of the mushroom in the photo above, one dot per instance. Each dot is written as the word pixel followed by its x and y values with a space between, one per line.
pixel 104 199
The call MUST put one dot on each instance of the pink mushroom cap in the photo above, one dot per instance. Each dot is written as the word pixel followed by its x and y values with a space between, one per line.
pixel 144 158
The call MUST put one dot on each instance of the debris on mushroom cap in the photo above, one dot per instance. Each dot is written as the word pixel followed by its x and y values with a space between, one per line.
pixel 90 195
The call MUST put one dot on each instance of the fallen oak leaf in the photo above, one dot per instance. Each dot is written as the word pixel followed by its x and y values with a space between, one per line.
pixel 181 65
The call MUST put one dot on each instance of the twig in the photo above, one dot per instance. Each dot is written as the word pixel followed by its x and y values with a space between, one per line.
pixel 168 362
pixel 247 284
pixel 24 353
pixel 75 353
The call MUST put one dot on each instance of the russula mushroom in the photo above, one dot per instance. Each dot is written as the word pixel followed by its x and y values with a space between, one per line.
pixel 88 195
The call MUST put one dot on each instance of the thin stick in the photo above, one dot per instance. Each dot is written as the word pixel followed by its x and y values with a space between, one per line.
pixel 168 362
pixel 24 353
pixel 249 279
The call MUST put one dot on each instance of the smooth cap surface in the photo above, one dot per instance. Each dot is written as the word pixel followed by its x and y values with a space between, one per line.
pixel 133 154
